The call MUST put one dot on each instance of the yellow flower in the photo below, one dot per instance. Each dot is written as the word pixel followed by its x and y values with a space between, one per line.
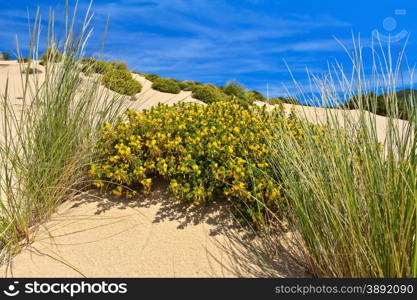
pixel 117 191
pixel 98 184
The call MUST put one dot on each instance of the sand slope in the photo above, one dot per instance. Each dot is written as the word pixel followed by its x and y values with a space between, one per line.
pixel 155 236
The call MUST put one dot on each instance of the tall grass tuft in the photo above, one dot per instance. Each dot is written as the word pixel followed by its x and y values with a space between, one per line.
pixel 46 145
pixel 352 192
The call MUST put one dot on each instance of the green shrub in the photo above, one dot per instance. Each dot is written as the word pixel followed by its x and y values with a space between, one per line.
pixel 118 65
pixel 151 77
pixel 122 82
pixel 166 86
pixel 188 85
pixel 23 60
pixel 233 88
pixel 238 91
pixel 217 151
pixel 208 94
pixel 255 96
pixel 92 65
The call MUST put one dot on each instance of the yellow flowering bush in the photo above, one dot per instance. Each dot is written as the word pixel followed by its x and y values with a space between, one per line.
pixel 218 151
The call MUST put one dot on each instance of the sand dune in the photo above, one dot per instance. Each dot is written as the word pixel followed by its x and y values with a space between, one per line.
pixel 155 236
pixel 320 115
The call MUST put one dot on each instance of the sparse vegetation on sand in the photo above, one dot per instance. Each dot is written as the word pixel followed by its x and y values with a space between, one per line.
pixel 122 82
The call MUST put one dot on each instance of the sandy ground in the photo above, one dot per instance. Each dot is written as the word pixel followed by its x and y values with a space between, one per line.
pixel 155 236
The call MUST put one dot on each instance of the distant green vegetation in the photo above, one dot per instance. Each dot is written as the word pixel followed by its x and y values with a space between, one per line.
pixel 166 86
pixel 207 93
pixel 151 77
pixel 380 104
pixel 122 82
pixel 281 100
pixel 5 55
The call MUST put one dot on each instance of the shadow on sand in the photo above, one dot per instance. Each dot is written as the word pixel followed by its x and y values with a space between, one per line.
pixel 268 254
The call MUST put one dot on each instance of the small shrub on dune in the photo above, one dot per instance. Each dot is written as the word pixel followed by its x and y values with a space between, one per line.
pixel 151 77
pixel 208 94
pixel 239 92
pixel 92 65
pixel 118 65
pixel 166 86
pixel 282 100
pixel 255 96
pixel 233 88
pixel 122 82
pixel 187 85
pixel 51 54
pixel 23 60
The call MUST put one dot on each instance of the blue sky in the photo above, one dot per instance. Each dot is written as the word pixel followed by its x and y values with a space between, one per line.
pixel 216 41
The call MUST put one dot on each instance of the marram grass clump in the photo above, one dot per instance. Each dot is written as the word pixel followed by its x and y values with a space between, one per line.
pixel 45 147
pixel 353 194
